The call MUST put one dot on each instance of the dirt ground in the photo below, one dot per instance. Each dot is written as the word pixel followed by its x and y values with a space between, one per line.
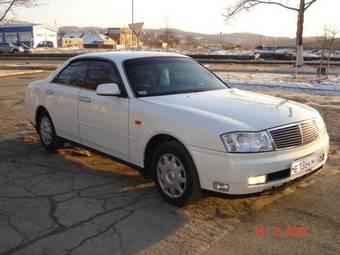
pixel 78 202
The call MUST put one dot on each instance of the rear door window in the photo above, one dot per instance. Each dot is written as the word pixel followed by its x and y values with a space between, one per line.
pixel 74 74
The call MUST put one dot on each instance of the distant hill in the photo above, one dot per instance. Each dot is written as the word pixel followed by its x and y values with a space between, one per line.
pixel 244 39
pixel 85 30
pixel 315 43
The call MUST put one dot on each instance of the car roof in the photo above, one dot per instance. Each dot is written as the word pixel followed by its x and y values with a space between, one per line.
pixel 121 56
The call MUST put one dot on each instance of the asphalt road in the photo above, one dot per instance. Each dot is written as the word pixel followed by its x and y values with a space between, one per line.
pixel 77 202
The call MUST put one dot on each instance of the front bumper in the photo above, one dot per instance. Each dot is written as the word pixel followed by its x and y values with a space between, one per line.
pixel 234 169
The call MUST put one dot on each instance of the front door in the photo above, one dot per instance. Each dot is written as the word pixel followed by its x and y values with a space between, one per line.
pixel 103 120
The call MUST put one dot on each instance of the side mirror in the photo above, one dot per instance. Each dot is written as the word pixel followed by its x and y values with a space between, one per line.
pixel 108 89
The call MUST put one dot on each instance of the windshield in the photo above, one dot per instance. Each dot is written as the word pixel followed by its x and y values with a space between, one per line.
pixel 169 75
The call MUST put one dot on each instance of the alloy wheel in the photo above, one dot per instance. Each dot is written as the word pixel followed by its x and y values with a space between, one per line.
pixel 46 130
pixel 171 175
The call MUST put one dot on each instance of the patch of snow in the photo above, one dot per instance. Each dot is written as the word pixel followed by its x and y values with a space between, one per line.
pixel 234 52
pixel 306 83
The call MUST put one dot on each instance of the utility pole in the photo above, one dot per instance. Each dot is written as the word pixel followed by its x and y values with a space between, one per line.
pixel 132 11
pixel 221 39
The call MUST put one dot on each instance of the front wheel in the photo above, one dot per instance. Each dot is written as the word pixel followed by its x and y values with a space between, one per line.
pixel 48 137
pixel 175 174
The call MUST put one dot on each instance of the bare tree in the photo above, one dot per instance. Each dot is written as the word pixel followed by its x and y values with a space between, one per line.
pixel 300 7
pixel 327 46
pixel 168 36
pixel 7 5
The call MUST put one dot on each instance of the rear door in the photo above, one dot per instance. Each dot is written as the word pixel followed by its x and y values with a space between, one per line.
pixel 103 120
pixel 63 98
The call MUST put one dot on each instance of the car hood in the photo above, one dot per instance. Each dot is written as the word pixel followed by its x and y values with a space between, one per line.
pixel 243 110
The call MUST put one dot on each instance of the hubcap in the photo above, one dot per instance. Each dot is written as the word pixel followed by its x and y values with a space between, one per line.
pixel 171 175
pixel 46 130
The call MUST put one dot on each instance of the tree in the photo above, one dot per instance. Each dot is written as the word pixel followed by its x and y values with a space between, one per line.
pixel 191 41
pixel 7 5
pixel 299 8
pixel 169 37
pixel 327 46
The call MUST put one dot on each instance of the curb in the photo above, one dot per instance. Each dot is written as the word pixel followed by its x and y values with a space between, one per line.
pixel 22 73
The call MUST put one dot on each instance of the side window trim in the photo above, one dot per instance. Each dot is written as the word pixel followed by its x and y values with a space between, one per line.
pixel 90 59
pixel 69 64
pixel 58 74
pixel 115 69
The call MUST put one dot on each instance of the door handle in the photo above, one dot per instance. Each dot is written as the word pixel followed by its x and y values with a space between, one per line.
pixel 49 91
pixel 85 99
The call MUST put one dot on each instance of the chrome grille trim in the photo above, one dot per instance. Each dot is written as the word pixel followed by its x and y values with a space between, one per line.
pixel 310 131
pixel 294 135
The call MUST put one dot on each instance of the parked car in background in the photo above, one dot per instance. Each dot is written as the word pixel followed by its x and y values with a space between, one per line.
pixel 45 44
pixel 177 123
pixel 10 48
pixel 24 46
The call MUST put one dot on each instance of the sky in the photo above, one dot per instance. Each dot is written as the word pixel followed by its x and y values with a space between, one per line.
pixel 189 15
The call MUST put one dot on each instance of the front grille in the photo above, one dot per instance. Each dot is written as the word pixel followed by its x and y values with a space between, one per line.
pixel 295 134
pixel 310 131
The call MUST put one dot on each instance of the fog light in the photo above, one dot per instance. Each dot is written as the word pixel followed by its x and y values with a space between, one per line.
pixel 221 186
pixel 256 180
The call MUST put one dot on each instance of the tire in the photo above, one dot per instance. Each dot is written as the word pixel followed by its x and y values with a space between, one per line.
pixel 15 52
pixel 49 140
pixel 175 174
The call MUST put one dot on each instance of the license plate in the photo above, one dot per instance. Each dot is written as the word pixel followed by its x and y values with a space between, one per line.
pixel 306 164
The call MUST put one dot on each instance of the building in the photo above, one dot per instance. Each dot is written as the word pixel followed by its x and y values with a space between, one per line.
pixel 114 33
pixel 99 41
pixel 124 37
pixel 72 40
pixel 30 34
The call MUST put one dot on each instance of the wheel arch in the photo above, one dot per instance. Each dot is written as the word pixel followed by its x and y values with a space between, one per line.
pixel 39 110
pixel 152 145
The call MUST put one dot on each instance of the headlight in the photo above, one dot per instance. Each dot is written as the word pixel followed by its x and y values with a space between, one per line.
pixel 247 142
pixel 321 125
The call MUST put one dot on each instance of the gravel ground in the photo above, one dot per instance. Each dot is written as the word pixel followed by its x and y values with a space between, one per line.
pixel 77 202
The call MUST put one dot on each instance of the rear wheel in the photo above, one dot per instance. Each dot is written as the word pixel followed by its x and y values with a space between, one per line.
pixel 175 174
pixel 15 51
pixel 47 133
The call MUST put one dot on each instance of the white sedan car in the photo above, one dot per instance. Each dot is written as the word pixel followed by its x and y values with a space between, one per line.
pixel 177 123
